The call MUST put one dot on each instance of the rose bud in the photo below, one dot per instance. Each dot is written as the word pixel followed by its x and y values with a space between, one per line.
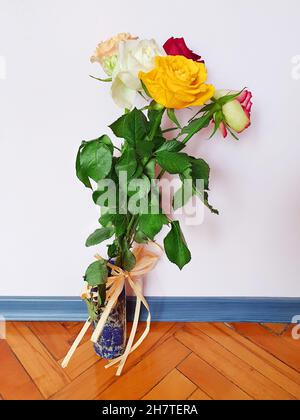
pixel 177 46
pixel 236 111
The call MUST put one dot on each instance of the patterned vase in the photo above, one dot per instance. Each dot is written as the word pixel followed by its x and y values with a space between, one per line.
pixel 112 342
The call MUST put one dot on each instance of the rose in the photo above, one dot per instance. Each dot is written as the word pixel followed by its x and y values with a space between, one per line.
pixel 177 46
pixel 177 82
pixel 237 112
pixel 134 57
pixel 106 52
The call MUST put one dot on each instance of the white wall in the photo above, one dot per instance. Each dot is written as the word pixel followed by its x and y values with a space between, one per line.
pixel 48 105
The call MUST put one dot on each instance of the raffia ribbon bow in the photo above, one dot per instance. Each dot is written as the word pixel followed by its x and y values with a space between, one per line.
pixel 145 262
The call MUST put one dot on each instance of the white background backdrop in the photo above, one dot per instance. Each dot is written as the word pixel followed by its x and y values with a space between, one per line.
pixel 48 104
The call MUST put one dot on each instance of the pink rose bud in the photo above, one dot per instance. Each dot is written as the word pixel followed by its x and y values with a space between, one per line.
pixel 237 112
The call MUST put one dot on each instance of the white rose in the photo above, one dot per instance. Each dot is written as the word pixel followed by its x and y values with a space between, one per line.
pixel 134 56
pixel 106 52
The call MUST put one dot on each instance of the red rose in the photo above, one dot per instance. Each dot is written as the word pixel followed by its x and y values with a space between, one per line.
pixel 177 46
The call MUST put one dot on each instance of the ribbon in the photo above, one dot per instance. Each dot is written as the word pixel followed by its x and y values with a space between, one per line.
pixel 145 262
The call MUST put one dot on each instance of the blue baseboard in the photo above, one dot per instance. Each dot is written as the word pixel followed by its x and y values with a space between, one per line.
pixel 176 309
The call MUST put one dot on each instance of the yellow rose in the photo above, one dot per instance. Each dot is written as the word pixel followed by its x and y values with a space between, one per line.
pixel 177 82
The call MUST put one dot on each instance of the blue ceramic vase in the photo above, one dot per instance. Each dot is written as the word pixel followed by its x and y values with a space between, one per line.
pixel 112 342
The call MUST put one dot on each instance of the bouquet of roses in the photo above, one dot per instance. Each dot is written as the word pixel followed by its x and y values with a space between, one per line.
pixel 167 79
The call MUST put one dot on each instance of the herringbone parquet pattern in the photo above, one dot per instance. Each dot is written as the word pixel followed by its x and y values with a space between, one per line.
pixel 177 361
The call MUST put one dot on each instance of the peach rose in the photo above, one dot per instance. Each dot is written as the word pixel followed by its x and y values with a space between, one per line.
pixel 106 52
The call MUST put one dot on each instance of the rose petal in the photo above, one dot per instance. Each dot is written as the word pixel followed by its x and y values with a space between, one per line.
pixel 242 96
pixel 223 129
pixel 249 106
pixel 236 116
pixel 177 46
pixel 123 96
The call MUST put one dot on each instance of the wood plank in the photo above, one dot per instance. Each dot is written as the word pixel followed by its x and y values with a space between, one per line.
pixel 175 386
pixel 199 395
pixel 74 329
pixel 277 329
pixel 231 343
pixel 83 359
pixel 96 379
pixel 227 365
pixel 15 383
pixel 145 375
pixel 289 330
pixel 284 348
pixel 236 370
pixel 55 337
pixel 210 381
pixel 263 354
pixel 37 361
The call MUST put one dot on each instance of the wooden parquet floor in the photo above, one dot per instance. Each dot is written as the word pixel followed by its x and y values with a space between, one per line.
pixel 177 361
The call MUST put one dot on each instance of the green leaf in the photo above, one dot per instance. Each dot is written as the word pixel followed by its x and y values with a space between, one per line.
pixel 228 98
pixel 155 118
pixel 232 134
pixel 138 189
pixel 95 160
pixel 145 89
pixel 204 198
pixel 100 235
pixel 158 141
pixel 116 222
pixel 172 162
pixel 185 192
pixel 136 126
pixel 176 248
pixel 97 195
pixel 109 79
pixel 218 118
pixel 96 273
pixel 171 146
pixel 209 206
pixel 120 224
pixel 101 294
pixel 140 238
pixel 106 219
pixel 81 174
pixel 107 141
pixel 127 162
pixel 152 224
pixel 196 125
pixel 150 169
pixel 118 127
pixel 210 107
pixel 132 127
pixel 113 249
pixel 92 310
pixel 128 257
pixel 139 170
pixel 144 149
pixel 200 170
pixel 172 117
